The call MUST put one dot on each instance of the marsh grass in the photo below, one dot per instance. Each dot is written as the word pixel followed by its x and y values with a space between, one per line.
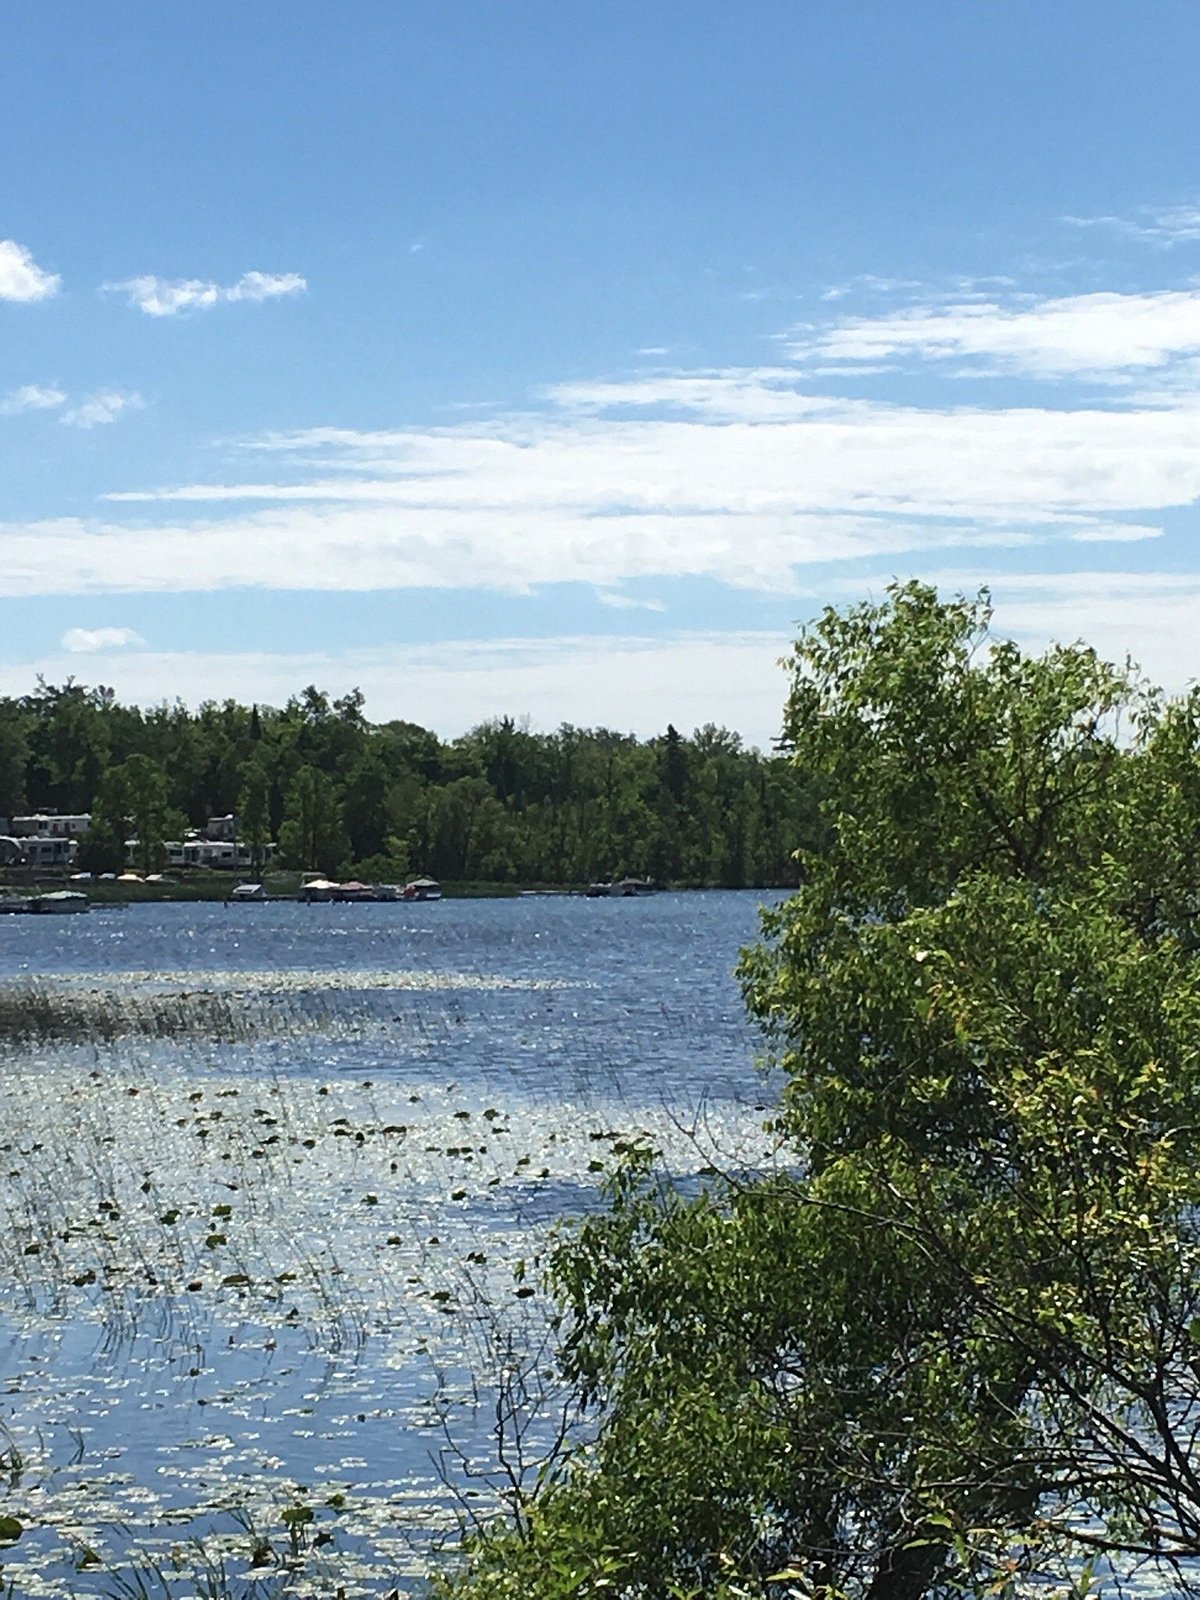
pixel 36 1014
pixel 239 1284
pixel 226 1008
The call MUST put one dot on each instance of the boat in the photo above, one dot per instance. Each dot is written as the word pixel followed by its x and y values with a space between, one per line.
pixel 621 889
pixel 253 893
pixel 352 891
pixel 60 902
pixel 314 888
pixel 422 889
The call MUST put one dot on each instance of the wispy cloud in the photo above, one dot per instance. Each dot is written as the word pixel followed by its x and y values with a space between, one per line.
pixel 740 476
pixel 1168 225
pixel 1106 335
pixel 31 397
pixel 1149 617
pixel 265 286
pixel 163 297
pixel 627 602
pixel 635 683
pixel 748 394
pixel 640 683
pixel 1115 533
pixel 88 640
pixel 20 276
pixel 104 406
pixel 872 283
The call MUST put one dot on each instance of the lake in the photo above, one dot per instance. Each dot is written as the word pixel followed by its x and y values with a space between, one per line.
pixel 264 1203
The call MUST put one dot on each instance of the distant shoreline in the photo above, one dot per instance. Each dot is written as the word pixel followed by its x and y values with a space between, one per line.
pixel 215 887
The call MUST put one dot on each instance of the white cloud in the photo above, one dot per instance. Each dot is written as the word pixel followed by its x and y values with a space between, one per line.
pixel 1102 335
pixel 1115 533
pixel 743 477
pixel 633 684
pixel 374 546
pixel 84 640
pixel 871 283
pixel 159 298
pixel 749 394
pixel 1176 225
pixel 265 286
pixel 31 397
pixel 637 683
pixel 99 409
pixel 746 483
pixel 20 276
pixel 163 297
pixel 1148 617
pixel 1168 226
pixel 626 602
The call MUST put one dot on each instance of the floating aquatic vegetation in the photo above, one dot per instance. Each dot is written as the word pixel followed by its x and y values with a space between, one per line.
pixel 226 1006
pixel 256 1265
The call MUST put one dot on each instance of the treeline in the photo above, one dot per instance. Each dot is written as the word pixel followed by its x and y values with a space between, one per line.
pixel 339 794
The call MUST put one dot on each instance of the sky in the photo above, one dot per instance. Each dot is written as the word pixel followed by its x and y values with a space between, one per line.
pixel 563 361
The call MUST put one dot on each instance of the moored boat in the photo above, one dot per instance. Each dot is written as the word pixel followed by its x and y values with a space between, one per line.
pixel 621 889
pixel 59 902
pixel 422 889
pixel 352 891
pixel 315 888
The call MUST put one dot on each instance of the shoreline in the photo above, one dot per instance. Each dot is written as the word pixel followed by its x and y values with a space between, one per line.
pixel 285 887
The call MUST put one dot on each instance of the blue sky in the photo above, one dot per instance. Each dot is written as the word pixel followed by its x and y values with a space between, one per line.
pixel 562 360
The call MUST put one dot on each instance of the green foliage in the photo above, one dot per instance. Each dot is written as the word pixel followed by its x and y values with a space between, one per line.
pixel 133 801
pixel 501 804
pixel 102 848
pixel 951 1343
pixel 392 865
pixel 14 758
pixel 254 812
pixel 312 836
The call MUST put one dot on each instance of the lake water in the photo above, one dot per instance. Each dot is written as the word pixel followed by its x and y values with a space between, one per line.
pixel 257 1265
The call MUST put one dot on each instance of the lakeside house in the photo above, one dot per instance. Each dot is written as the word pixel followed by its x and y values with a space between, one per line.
pixel 52 838
pixel 51 825
pixel 194 851
pixel 42 838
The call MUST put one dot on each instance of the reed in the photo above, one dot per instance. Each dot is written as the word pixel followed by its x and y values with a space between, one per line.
pixel 33 1014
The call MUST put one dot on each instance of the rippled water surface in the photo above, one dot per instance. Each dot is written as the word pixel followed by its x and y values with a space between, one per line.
pixel 265 1196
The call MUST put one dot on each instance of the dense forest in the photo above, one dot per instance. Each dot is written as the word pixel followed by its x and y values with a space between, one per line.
pixel 340 794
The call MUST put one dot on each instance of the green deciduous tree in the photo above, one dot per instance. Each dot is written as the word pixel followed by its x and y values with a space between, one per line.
pixel 953 1342
pixel 14 756
pixel 312 836
pixel 564 807
pixel 254 812
pixel 134 801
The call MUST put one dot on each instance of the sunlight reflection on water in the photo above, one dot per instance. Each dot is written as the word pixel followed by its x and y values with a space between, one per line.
pixel 246 1273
